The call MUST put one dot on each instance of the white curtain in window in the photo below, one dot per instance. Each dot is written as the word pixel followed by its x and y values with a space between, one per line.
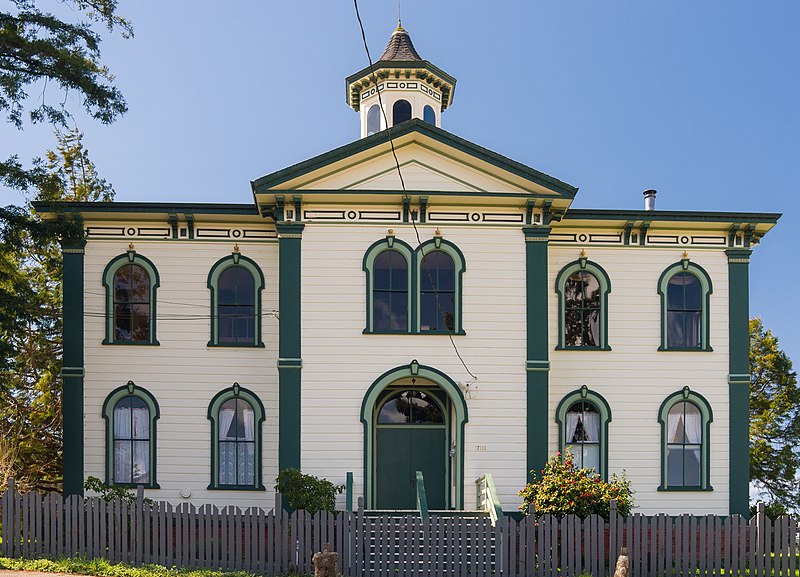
pixel 122 422
pixel 227 463
pixel 591 456
pixel 675 422
pixel 594 327
pixel 249 424
pixel 141 462
pixel 141 423
pixel 225 420
pixel 571 425
pixel 591 426
pixel 122 462
pixel 694 426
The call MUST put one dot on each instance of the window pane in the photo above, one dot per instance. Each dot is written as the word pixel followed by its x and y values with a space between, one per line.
pixel 429 313
pixel 122 322
pixel 675 292
pixel 122 285
pixel 573 330
pixel 691 466
pixel 122 461
pixel 676 336
pixel 437 271
pixel 382 271
pixel 140 415
pixel 676 431
pixel 590 456
pixel 399 308
pixel 428 114
pixel 140 284
pixel 141 462
pixel 425 410
pixel 227 463
pixel 591 290
pixel 140 322
pixel 396 410
pixel 381 311
pixel 410 407
pixel 401 111
pixel 693 292
pixel 591 321
pixel 692 329
pixel 245 464
pixel 373 119
pixel 236 287
pixel 675 466
pixel 122 419
pixel 573 290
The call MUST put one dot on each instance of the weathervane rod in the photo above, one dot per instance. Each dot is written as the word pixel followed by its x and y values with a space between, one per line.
pixel 399 21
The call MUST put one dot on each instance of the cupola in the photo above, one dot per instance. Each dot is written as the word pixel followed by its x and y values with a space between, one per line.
pixel 409 86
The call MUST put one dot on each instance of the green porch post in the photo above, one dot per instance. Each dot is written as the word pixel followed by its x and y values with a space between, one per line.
pixel 289 356
pixel 537 365
pixel 739 379
pixel 72 371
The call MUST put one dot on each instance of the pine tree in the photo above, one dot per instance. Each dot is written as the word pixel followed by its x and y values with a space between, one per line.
pixel 774 419
pixel 30 276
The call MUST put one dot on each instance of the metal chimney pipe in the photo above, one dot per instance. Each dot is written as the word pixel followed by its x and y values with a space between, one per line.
pixel 649 199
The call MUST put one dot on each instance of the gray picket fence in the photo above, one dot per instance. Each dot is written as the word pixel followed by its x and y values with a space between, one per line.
pixel 276 543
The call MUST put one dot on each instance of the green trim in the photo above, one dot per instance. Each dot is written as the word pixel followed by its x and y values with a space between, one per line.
pixel 369 404
pixel 415 125
pixel 584 265
pixel 217 269
pixel 289 344
pixel 72 374
pixel 348 503
pixel 422 497
pixel 290 363
pixel 130 390
pixel 537 348
pixel 375 249
pixel 130 257
pixel 684 489
pixel 676 215
pixel 705 453
pixel 739 378
pixel 460 266
pixel 147 207
pixel 685 265
pixel 605 418
pixel 213 414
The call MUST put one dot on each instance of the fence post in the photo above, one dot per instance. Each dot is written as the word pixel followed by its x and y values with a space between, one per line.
pixel 8 517
pixel 139 522
pixel 613 546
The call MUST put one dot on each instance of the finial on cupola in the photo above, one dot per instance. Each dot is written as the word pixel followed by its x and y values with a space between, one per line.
pixel 404 84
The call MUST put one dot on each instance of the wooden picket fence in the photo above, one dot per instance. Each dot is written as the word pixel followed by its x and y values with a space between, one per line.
pixel 276 543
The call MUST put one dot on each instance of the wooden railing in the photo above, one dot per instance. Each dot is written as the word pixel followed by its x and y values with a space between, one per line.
pixel 488 501
pixel 276 543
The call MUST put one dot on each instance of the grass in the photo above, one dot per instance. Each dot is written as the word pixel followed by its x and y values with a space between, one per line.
pixel 102 568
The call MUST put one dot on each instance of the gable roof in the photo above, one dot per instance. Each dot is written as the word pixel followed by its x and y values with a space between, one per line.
pixel 414 128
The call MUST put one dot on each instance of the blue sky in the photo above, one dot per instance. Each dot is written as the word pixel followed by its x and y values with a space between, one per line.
pixel 696 99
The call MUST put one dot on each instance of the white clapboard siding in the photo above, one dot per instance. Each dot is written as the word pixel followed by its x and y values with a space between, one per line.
pixel 183 373
pixel 634 377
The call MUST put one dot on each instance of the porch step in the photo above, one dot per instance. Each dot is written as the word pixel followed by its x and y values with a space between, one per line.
pixel 397 513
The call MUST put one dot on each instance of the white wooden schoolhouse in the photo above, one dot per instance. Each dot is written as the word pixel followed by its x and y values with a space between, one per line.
pixel 460 321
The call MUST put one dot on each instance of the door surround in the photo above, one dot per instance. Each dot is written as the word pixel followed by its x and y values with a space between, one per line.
pixel 460 418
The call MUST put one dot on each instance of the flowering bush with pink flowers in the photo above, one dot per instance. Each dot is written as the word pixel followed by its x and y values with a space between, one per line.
pixel 564 489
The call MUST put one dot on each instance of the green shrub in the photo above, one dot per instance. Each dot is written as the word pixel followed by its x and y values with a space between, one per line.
pixel 563 489
pixel 109 493
pixel 307 491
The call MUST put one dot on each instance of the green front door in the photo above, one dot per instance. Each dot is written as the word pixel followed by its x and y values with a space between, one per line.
pixel 411 436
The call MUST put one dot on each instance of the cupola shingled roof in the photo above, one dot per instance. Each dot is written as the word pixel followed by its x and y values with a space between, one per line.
pixel 400 48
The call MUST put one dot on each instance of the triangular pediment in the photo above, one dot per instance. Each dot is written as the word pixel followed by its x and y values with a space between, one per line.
pixel 430 159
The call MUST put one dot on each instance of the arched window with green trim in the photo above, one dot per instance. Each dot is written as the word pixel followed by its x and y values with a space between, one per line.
pixel 583 417
pixel 685 289
pixel 685 418
pixel 236 283
pixel 131 413
pixel 439 269
pixel 387 264
pixel 583 288
pixel 130 281
pixel 236 416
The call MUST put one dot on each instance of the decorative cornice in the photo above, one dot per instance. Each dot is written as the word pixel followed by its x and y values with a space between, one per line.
pixel 290 363
pixel 73 250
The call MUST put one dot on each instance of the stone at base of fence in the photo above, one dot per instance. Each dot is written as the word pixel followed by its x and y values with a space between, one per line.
pixel 325 562
pixel 623 563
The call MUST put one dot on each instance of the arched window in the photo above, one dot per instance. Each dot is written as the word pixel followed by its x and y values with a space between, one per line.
pixel 583 418
pixel 685 419
pixel 428 115
pixel 236 283
pixel 685 290
pixel 437 290
pixel 130 281
pixel 410 407
pixel 401 111
pixel 583 288
pixel 387 264
pixel 130 413
pixel 236 415
pixel 373 119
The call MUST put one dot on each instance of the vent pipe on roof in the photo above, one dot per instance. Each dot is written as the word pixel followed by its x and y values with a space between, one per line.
pixel 649 199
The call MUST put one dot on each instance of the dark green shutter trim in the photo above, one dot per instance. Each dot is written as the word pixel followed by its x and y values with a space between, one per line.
pixel 537 364
pixel 739 378
pixel 605 418
pixel 289 347
pixel 213 415
pixel 211 282
pixel 707 416
pixel 583 264
pixel 131 390
pixel 72 395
